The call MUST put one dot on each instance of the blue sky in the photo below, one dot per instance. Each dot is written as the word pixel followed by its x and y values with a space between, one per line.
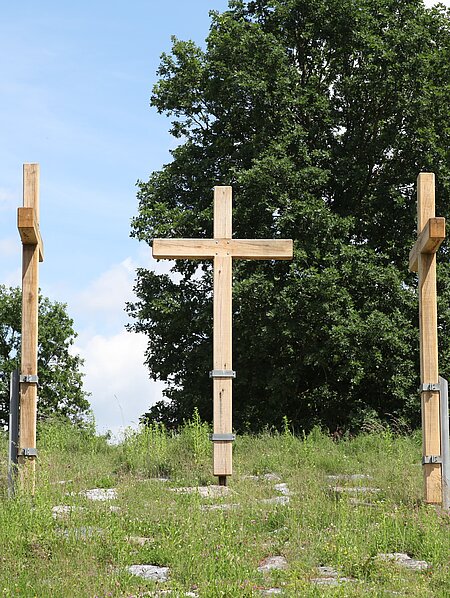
pixel 75 82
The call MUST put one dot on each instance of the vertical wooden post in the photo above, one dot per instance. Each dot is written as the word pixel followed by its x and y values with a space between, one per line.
pixel 28 219
pixel 222 249
pixel 222 334
pixel 429 370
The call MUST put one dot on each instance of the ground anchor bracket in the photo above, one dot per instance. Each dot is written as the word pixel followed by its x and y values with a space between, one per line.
pixel 29 379
pixel 222 437
pixel 431 459
pixel 430 387
pixel 28 452
pixel 222 374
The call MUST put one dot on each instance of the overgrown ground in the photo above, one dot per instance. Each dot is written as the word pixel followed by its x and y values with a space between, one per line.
pixel 214 551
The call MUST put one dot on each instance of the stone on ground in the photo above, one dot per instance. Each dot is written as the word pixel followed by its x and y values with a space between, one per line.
pixel 272 562
pixel 283 489
pixel 212 491
pixel 354 490
pixel 223 507
pixel 81 533
pixel 64 511
pixel 277 500
pixel 153 572
pixel 404 560
pixel 329 577
pixel 100 494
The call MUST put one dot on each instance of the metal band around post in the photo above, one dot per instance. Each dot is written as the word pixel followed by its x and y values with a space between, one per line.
pixel 222 374
pixel 222 437
pixel 28 452
pixel 29 379
pixel 430 387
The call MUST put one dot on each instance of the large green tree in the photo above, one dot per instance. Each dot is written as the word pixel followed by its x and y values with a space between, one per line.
pixel 320 114
pixel 60 377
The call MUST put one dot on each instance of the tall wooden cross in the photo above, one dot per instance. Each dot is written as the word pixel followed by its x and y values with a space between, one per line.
pixel 32 254
pixel 223 249
pixel 422 259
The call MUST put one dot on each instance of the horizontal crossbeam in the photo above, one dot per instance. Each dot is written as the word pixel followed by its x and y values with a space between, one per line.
pixel 29 229
pixel 428 241
pixel 258 249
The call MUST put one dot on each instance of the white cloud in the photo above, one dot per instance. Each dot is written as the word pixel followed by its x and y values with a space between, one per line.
pixel 110 291
pixel 120 388
pixel 118 380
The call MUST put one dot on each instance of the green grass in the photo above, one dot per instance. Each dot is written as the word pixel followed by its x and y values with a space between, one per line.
pixel 214 552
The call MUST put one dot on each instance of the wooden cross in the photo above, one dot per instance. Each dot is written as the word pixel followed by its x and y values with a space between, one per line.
pixel 223 249
pixel 32 254
pixel 422 259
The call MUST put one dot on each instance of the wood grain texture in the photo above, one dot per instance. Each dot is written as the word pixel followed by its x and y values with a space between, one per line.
pixel 31 174
pixel 223 212
pixel 29 229
pixel 429 241
pixel 262 249
pixel 206 249
pixel 429 366
pixel 185 249
pixel 222 249
pixel 32 252
pixel 425 199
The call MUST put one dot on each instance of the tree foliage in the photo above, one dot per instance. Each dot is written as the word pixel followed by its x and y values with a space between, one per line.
pixel 60 378
pixel 320 114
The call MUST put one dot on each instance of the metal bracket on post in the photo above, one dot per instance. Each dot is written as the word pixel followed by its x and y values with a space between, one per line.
pixel 222 374
pixel 29 379
pixel 444 458
pixel 222 437
pixel 430 387
pixel 28 452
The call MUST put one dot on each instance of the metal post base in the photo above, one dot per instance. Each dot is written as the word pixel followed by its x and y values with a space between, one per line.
pixel 222 480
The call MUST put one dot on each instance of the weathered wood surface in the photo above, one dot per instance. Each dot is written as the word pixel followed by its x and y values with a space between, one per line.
pixel 28 223
pixel 222 333
pixel 428 241
pixel 430 232
pixel 28 226
pixel 197 249
pixel 222 249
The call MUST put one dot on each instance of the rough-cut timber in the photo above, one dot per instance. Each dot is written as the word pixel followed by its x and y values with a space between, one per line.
pixel 428 241
pixel 28 224
pixel 431 231
pixel 222 250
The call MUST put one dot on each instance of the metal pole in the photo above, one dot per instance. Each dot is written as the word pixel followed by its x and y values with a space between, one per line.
pixel 445 444
pixel 13 432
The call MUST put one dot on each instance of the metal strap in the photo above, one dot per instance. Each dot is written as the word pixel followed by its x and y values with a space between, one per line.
pixel 431 459
pixel 28 452
pixel 222 437
pixel 29 379
pixel 222 374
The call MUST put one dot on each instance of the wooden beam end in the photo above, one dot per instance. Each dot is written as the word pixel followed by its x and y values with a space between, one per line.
pixel 29 229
